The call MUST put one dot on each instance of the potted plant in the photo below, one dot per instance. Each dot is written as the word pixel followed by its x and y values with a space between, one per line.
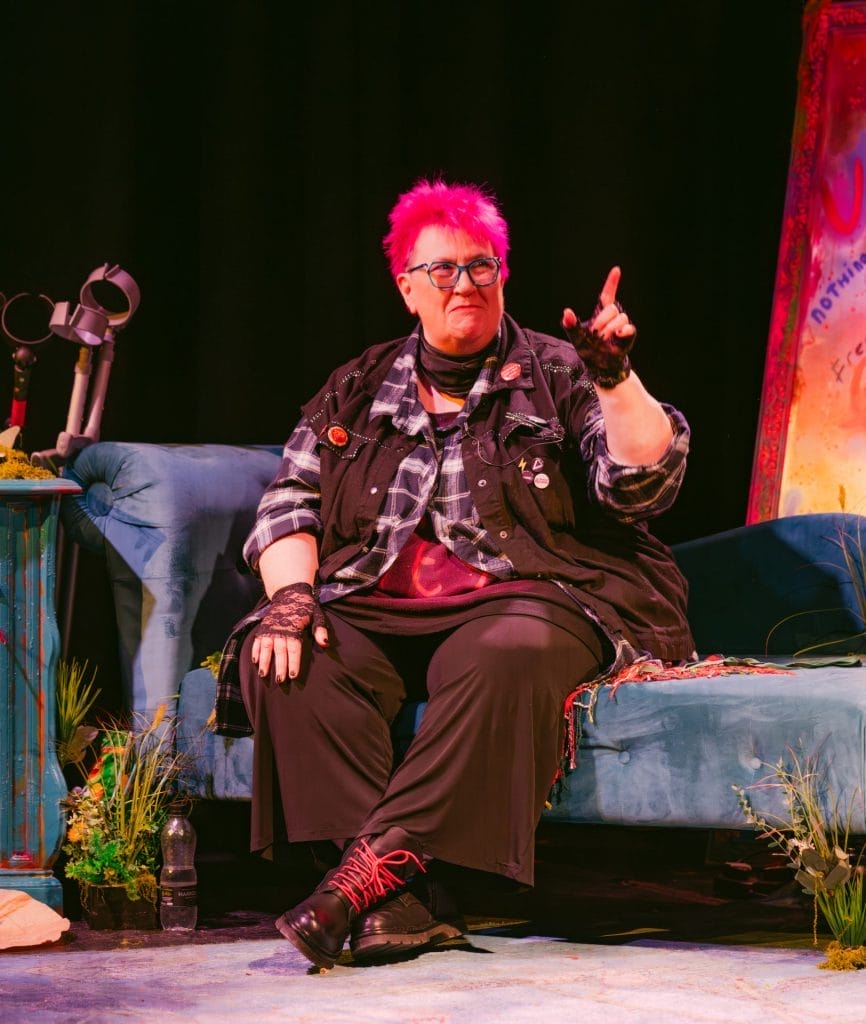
pixel 129 772
pixel 826 867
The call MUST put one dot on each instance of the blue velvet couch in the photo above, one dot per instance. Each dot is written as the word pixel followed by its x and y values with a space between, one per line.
pixel 170 520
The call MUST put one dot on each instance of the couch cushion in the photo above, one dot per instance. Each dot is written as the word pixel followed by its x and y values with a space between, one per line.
pixel 662 753
pixel 668 752
pixel 219 767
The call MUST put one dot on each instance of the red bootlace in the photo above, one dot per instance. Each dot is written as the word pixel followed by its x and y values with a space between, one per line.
pixel 365 877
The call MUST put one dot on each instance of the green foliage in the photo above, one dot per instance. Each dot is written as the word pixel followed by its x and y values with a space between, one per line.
pixel 816 848
pixel 212 661
pixel 104 862
pixel 76 696
pixel 845 911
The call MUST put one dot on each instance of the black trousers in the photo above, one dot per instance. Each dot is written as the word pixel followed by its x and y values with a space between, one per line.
pixel 473 783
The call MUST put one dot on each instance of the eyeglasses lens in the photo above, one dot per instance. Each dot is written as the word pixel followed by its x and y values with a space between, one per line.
pixel 482 272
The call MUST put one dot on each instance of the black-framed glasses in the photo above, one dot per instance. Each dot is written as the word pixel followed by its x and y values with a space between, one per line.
pixel 445 273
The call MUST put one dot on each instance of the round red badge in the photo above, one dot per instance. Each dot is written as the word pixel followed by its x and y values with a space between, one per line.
pixel 511 371
pixel 338 436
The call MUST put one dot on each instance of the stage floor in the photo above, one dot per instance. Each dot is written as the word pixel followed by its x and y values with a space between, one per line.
pixel 622 925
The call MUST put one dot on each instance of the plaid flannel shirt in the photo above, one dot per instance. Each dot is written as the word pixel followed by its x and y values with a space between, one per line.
pixel 432 478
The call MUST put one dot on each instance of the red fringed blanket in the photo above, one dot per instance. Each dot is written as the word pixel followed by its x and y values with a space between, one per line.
pixel 646 670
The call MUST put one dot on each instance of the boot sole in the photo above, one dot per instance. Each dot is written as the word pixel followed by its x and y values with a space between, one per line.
pixel 386 944
pixel 313 953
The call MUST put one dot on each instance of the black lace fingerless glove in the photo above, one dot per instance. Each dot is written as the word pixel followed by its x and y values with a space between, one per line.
pixel 606 359
pixel 293 610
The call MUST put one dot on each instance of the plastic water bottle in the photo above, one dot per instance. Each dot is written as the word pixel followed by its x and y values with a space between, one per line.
pixel 178 881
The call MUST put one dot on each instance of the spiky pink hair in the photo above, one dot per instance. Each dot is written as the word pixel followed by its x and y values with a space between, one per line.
pixel 461 207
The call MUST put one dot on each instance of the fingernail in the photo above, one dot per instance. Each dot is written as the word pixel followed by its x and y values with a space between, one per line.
pixel 262 674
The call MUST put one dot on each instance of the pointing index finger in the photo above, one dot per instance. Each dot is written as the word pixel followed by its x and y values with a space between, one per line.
pixel 608 291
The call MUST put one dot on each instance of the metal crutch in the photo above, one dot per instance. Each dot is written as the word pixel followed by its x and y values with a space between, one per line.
pixel 94 327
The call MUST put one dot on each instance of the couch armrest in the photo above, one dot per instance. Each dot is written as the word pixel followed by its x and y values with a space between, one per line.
pixel 170 521
pixel 776 587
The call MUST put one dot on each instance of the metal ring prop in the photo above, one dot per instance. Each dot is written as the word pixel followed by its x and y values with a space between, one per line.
pixel 83 325
pixel 123 282
pixel 13 339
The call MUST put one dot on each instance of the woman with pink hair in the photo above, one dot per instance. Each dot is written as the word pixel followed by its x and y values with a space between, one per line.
pixel 459 520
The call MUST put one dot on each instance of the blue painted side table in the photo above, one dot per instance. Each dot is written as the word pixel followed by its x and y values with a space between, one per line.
pixel 32 822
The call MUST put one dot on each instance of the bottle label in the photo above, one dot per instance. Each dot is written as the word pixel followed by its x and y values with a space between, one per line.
pixel 177 896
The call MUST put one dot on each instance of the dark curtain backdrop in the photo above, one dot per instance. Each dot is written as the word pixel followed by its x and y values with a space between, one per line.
pixel 239 160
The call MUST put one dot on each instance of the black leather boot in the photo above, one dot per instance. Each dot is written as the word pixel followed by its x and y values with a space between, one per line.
pixel 420 916
pixel 371 869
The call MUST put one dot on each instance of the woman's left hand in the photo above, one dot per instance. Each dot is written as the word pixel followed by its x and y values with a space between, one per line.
pixel 604 341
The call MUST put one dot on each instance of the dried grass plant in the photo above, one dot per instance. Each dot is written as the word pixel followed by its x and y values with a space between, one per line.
pixel 820 852
pixel 852 545
pixel 76 696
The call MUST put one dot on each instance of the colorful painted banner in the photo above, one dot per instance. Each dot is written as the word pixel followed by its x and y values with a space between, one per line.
pixel 811 447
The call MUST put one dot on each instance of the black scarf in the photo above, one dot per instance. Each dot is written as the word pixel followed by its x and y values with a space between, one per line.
pixel 452 375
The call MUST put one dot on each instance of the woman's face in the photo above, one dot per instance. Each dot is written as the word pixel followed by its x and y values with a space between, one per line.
pixel 458 320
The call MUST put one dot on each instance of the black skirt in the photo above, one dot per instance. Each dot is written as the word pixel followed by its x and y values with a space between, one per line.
pixel 471 786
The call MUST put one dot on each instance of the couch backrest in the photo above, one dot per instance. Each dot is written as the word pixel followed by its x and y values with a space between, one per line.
pixel 170 521
pixel 778 587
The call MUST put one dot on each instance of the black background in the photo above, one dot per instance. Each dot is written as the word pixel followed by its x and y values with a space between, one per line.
pixel 239 160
